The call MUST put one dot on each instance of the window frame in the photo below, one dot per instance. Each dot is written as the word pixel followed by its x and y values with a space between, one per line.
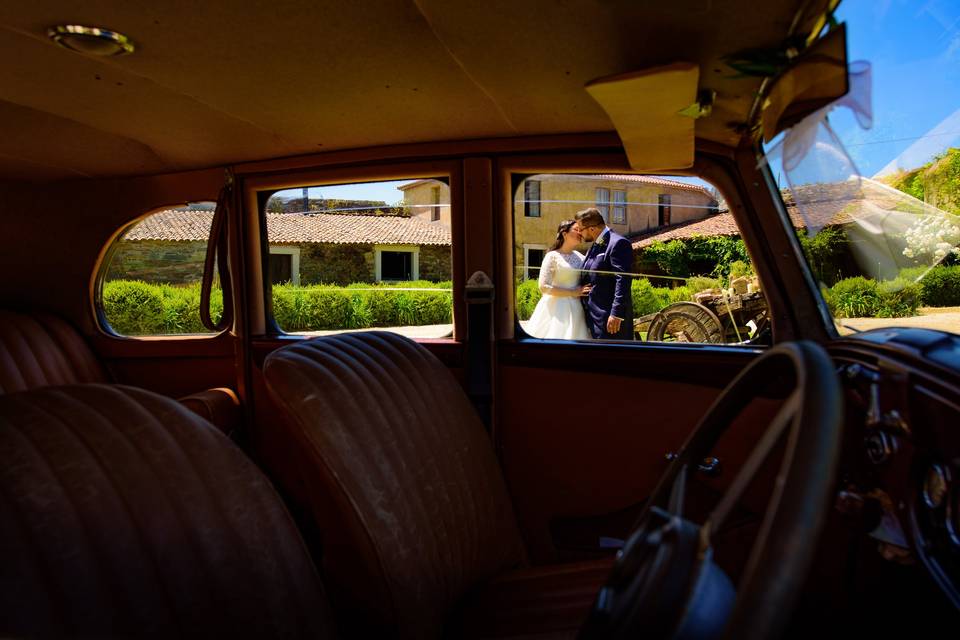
pixel 379 249
pixel 526 258
pixel 664 210
pixel 531 208
pixel 262 180
pixel 618 205
pixel 102 266
pixel 714 168
pixel 294 252
pixel 603 204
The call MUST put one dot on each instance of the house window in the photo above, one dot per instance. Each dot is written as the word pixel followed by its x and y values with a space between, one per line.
pixel 603 202
pixel 394 264
pixel 619 207
pixel 663 210
pixel 435 199
pixel 285 265
pixel 532 259
pixel 531 199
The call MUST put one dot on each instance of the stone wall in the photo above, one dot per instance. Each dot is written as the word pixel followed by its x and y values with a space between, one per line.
pixel 158 261
pixel 435 263
pixel 336 263
pixel 164 261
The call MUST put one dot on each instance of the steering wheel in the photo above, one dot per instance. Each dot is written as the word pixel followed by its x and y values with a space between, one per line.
pixel 665 584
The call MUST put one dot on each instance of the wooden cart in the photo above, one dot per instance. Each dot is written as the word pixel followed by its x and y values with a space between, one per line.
pixel 717 317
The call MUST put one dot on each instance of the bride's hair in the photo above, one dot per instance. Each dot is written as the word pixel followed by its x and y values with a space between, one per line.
pixel 564 227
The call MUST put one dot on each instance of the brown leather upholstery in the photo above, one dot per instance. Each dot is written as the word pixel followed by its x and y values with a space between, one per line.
pixel 220 407
pixel 552 601
pixel 41 350
pixel 402 477
pixel 122 513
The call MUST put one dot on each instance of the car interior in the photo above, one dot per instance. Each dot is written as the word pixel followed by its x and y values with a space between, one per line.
pixel 265 476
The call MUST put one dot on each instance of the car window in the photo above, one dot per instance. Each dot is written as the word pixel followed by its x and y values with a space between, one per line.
pixel 358 256
pixel 149 282
pixel 872 185
pixel 661 256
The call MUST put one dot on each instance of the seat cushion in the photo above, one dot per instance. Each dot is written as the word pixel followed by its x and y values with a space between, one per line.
pixel 41 350
pixel 123 513
pixel 400 473
pixel 549 601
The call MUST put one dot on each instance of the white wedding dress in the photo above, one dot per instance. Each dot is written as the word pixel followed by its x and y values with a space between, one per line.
pixel 559 316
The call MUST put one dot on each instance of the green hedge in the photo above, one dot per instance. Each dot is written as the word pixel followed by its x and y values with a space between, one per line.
pixel 865 298
pixel 359 306
pixel 940 286
pixel 697 254
pixel 138 308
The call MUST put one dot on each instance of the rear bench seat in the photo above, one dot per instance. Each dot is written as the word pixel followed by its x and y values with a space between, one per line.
pixel 41 350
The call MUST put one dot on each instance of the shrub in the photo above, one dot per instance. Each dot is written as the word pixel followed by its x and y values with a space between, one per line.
pixel 133 307
pixel 940 287
pixel 854 298
pixel 739 268
pixel 647 298
pixel 898 298
pixel 528 295
pixel 138 308
pixel 825 252
pixel 699 254
pixel 864 298
pixel 700 283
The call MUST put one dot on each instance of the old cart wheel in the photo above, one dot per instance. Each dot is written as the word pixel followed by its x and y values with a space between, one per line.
pixel 686 322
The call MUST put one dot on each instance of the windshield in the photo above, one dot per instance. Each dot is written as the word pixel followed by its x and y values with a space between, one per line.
pixel 872 183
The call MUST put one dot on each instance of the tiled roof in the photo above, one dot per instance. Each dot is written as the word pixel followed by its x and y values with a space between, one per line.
pixel 659 182
pixel 722 224
pixel 294 228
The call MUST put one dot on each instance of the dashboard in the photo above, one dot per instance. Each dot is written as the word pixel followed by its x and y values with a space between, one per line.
pixel 900 470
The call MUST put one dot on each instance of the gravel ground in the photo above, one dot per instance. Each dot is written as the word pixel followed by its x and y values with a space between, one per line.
pixel 942 318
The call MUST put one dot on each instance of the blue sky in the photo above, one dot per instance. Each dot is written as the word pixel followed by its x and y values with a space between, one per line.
pixel 914 48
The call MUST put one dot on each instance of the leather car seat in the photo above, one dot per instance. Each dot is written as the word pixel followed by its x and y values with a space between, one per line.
pixel 39 350
pixel 124 514
pixel 404 486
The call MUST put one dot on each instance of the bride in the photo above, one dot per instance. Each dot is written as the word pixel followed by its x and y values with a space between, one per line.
pixel 559 313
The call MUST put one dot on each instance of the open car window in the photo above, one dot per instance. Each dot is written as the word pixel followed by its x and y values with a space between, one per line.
pixel 359 256
pixel 662 256
pixel 149 282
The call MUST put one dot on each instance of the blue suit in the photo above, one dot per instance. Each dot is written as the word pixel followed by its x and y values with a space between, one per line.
pixel 610 294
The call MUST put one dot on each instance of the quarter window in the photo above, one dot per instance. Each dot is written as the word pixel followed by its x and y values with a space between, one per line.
pixel 150 280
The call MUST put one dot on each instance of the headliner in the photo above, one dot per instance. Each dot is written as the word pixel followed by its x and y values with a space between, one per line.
pixel 213 84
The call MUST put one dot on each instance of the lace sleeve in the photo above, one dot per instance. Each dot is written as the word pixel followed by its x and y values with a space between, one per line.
pixel 547 270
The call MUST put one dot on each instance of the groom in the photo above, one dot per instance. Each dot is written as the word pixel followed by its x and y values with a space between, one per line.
pixel 608 307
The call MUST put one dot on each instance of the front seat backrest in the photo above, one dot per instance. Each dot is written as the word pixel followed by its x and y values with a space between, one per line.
pixel 41 350
pixel 420 511
pixel 124 514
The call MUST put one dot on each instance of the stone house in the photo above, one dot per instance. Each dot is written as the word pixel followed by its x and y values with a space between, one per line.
pixel 427 200
pixel 631 204
pixel 170 246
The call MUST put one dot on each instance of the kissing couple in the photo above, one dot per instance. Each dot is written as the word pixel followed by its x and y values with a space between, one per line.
pixel 585 296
